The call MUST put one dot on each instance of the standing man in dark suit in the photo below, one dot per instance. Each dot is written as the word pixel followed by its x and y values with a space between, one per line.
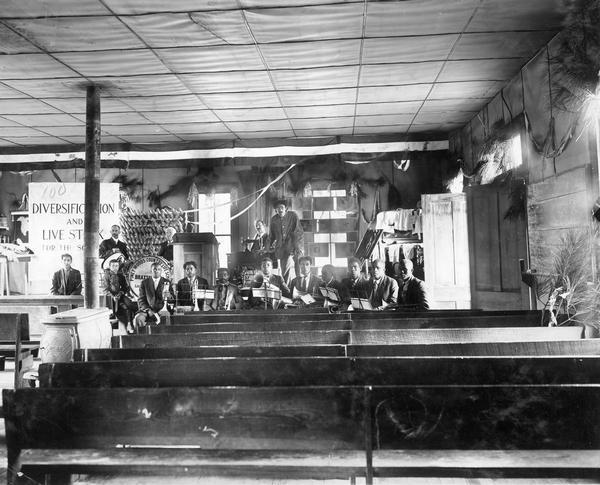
pixel 413 293
pixel 151 300
pixel 113 244
pixel 383 289
pixel 166 247
pixel 286 236
pixel 186 285
pixel 66 281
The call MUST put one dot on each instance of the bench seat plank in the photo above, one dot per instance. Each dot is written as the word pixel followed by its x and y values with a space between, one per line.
pixel 90 355
pixel 488 463
pixel 196 462
pixel 326 371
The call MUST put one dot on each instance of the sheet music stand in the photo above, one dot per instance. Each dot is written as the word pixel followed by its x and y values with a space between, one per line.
pixel 267 294
pixel 330 294
pixel 361 304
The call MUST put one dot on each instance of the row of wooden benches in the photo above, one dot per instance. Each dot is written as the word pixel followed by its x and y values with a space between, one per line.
pixel 279 407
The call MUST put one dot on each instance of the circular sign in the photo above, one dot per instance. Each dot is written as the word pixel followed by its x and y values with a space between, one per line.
pixel 142 268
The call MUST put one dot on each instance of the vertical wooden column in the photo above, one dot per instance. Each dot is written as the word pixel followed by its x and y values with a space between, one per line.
pixel 91 224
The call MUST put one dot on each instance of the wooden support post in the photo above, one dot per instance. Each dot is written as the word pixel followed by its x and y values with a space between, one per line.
pixel 91 238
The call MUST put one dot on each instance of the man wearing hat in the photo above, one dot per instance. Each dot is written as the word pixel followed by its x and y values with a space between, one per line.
pixel 286 238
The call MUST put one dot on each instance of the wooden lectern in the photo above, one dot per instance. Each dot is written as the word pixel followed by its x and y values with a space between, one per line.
pixel 201 247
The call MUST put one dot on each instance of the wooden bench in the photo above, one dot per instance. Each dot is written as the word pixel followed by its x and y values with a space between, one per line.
pixel 320 432
pixel 360 337
pixel 531 319
pixel 270 432
pixel 323 371
pixel 15 344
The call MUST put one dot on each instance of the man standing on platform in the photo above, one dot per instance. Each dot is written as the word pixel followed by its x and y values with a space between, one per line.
pixel 187 284
pixel 227 295
pixel 66 281
pixel 166 247
pixel 383 289
pixel 153 292
pixel 113 244
pixel 287 238
pixel 413 293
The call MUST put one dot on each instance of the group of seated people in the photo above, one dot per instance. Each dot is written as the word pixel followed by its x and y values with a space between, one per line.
pixel 377 292
pixel 268 290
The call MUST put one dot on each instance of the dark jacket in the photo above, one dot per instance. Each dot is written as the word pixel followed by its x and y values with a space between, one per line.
pixel 108 245
pixel 358 288
pixel 385 294
pixel 115 283
pixel 261 243
pixel 230 296
pixel 312 287
pixel 166 250
pixel 149 298
pixel 184 291
pixel 70 287
pixel 415 295
pixel 286 235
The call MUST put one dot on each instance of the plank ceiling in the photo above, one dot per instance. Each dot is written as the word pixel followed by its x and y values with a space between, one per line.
pixel 183 72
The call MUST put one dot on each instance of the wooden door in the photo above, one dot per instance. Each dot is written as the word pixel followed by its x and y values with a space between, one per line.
pixel 446 250
pixel 497 242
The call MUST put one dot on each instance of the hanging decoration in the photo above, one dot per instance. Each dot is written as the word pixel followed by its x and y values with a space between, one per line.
pixel 192 197
pixel 402 165
pixel 307 190
pixel 354 189
pixel 577 63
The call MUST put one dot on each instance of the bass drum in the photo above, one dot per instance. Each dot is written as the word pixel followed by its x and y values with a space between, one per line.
pixel 116 256
pixel 140 269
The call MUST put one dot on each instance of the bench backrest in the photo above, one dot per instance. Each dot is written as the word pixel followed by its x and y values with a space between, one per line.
pixel 254 339
pixel 360 337
pixel 561 347
pixel 388 323
pixel 13 325
pixel 323 371
pixel 321 418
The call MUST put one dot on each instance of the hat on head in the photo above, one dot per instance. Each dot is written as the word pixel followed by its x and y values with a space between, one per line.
pixel 279 202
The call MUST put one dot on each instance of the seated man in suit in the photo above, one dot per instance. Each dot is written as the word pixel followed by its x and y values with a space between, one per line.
pixel 383 289
pixel 117 291
pixel 306 283
pixel 268 280
pixel 261 240
pixel 153 292
pixel 187 284
pixel 413 293
pixel 227 295
pixel 356 285
pixel 113 244
pixel 66 281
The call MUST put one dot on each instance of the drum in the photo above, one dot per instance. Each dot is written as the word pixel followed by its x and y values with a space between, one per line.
pixel 140 269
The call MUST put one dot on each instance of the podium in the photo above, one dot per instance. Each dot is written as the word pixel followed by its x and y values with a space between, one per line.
pixel 201 247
